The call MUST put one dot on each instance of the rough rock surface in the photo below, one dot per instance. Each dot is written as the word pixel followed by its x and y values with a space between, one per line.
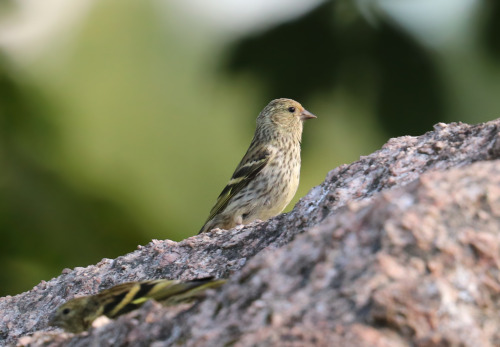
pixel 401 248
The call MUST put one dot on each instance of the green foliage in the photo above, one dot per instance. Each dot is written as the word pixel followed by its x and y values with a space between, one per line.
pixel 323 51
pixel 129 127
pixel 43 219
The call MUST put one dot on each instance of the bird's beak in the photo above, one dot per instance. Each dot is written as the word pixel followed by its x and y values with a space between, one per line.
pixel 305 114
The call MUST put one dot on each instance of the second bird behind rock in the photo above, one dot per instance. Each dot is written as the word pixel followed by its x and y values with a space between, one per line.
pixel 77 315
pixel 267 177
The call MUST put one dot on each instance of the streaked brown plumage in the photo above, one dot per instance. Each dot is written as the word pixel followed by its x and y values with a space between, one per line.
pixel 77 314
pixel 267 177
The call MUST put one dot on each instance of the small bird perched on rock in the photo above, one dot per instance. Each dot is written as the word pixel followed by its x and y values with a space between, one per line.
pixel 267 177
pixel 77 314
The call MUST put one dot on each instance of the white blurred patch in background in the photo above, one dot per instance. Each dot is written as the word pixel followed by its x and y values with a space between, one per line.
pixel 34 25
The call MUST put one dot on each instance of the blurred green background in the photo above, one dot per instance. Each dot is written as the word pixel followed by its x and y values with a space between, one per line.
pixel 122 120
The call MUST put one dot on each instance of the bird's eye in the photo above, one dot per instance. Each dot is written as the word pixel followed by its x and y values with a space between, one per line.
pixel 66 311
pixel 291 109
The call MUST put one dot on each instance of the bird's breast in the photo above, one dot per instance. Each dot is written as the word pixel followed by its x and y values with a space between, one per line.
pixel 283 172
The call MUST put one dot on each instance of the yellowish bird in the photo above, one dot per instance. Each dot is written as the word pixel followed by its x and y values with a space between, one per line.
pixel 267 177
pixel 77 314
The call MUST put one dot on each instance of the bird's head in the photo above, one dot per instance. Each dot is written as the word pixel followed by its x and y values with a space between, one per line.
pixel 284 115
pixel 71 315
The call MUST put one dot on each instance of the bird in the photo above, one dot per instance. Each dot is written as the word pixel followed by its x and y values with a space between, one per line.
pixel 77 315
pixel 267 177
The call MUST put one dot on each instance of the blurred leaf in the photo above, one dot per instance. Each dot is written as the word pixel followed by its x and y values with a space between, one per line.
pixel 6 7
pixel 295 60
pixel 491 28
pixel 44 220
pixel 334 47
pixel 410 96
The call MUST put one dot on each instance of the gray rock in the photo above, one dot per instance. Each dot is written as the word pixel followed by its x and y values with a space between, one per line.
pixel 400 248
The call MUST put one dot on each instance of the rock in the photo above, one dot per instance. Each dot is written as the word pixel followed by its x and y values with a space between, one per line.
pixel 400 248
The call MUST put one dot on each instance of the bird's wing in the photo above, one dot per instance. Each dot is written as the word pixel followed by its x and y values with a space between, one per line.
pixel 185 291
pixel 252 163
pixel 126 297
